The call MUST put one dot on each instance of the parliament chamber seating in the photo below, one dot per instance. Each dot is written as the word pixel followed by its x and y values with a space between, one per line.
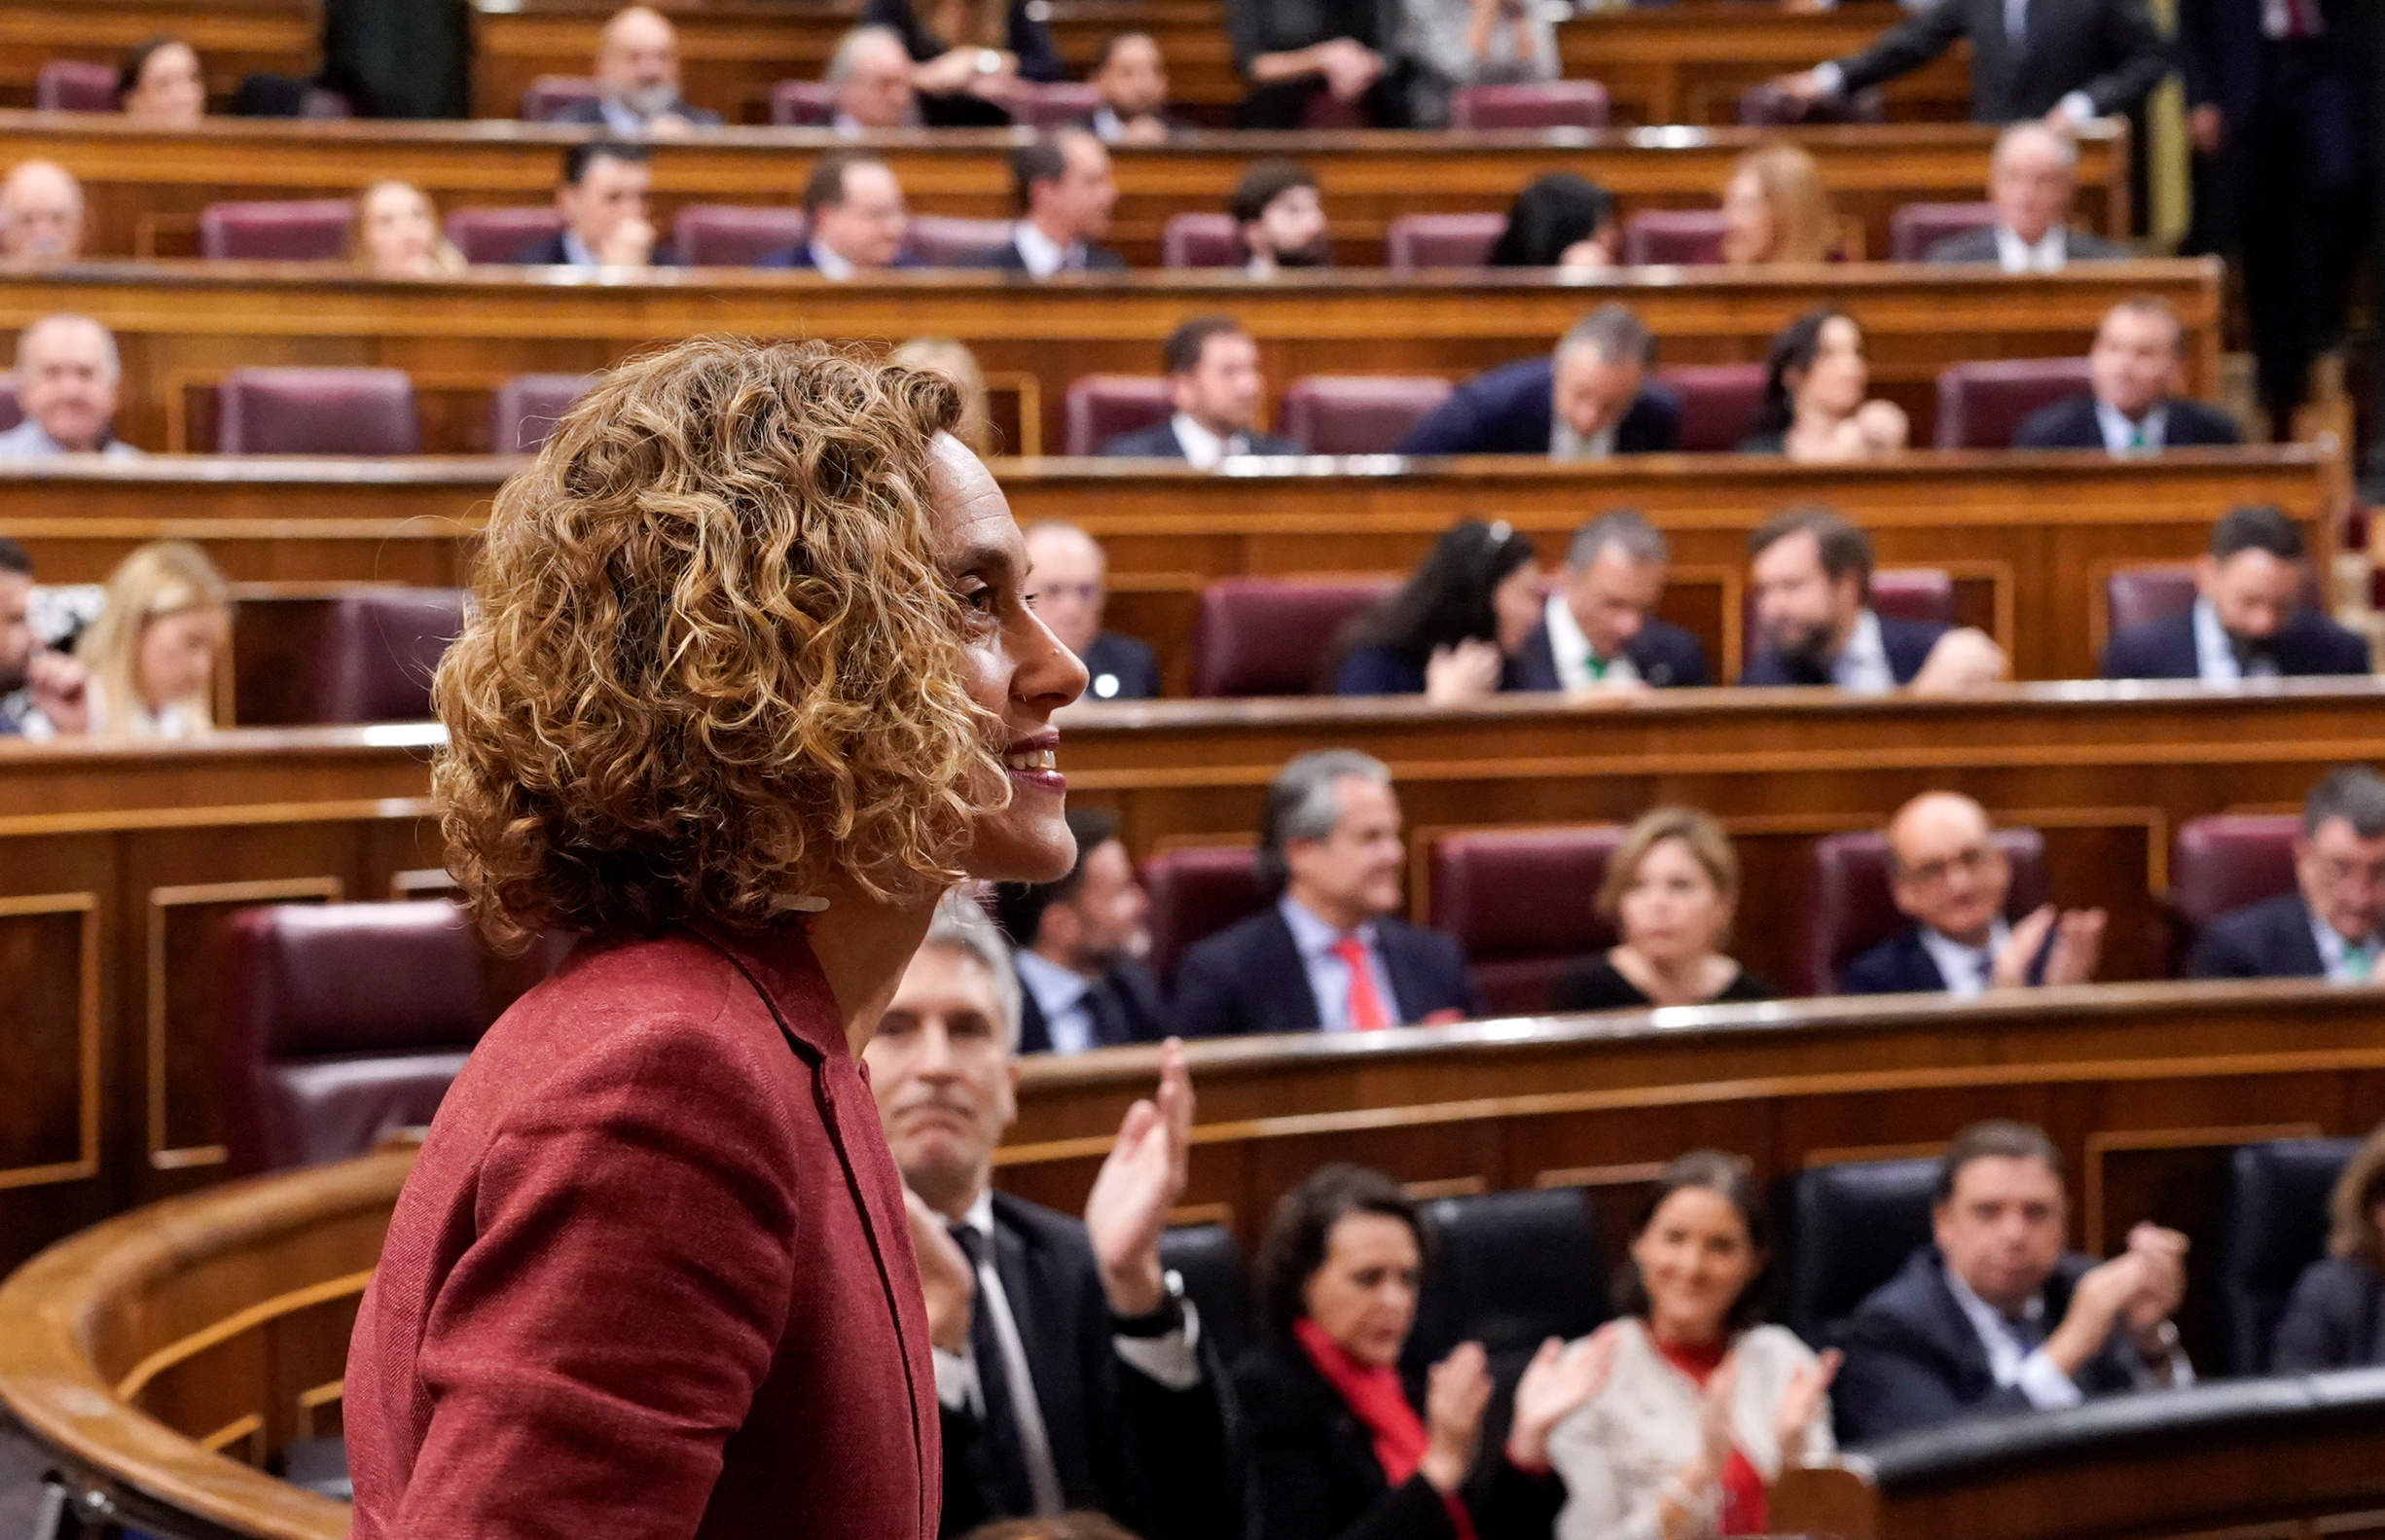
pixel 1917 226
pixel 526 407
pixel 2136 596
pixel 734 234
pixel 1510 1271
pixel 2271 1222
pixel 550 95
pixel 1422 242
pixel 1848 909
pixel 1200 238
pixel 1522 905
pixel 1098 407
pixel 354 656
pixel 1197 891
pixel 317 411
pixel 803 104
pixel 1690 238
pixel 2222 863
pixel 1981 404
pixel 1529 104
pixel 1356 413
pixel 1767 106
pixel 1844 1230
pixel 1270 636
pixel 311 230
pixel 71 84
pixel 1209 1261
pixel 497 236
pixel 1718 404
pixel 1051 104
pixel 939 241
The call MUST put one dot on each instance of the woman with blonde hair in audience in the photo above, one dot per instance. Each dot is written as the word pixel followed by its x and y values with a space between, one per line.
pixel 1703 1407
pixel 2336 1318
pixel 396 234
pixel 950 358
pixel 1775 209
pixel 160 84
pixel 1671 891
pixel 1814 409
pixel 151 654
pixel 1452 630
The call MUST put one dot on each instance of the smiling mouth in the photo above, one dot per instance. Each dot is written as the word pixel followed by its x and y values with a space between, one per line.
pixel 1031 759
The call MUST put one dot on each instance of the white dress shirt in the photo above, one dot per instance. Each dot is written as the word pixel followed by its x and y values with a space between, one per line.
pixel 27 441
pixel 2015 1355
pixel 1575 661
pixel 1563 443
pixel 2215 657
pixel 829 264
pixel 1203 450
pixel 1862 664
pixel 576 253
pixel 1967 970
pixel 1042 255
pixel 2121 435
pixel 2017 256
pixel 1059 994
pixel 1328 974
pixel 2336 955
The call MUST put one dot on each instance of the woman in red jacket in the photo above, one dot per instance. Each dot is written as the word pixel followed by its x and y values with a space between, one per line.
pixel 752 680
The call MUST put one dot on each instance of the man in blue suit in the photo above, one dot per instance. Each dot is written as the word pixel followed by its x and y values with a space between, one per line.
pixel 2333 925
pixel 1810 574
pixel 603 200
pixel 1590 399
pixel 637 81
pixel 1328 954
pixel 2248 620
pixel 1079 948
pixel 2131 405
pixel 1599 627
pixel 854 207
pixel 1213 377
pixel 1069 581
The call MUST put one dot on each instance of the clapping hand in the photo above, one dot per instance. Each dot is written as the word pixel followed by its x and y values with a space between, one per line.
pixel 2078 942
pixel 1464 671
pixel 1350 67
pixel 1558 1382
pixel 1802 1403
pixel 1456 1392
pixel 61 690
pixel 631 243
pixel 2162 1280
pixel 1138 1183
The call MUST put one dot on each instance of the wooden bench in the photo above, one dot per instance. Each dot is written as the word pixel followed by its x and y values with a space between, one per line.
pixel 232 38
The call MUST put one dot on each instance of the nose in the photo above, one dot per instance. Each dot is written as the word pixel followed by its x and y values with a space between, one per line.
pixel 1048 675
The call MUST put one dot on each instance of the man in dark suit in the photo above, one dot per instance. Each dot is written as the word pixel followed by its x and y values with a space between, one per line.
pixel 603 200
pixel 1279 218
pixel 2032 179
pixel 1330 953
pixel 1590 399
pixel 1949 876
pixel 2333 925
pixel 637 81
pixel 1079 948
pixel 1069 578
pixel 1064 193
pixel 2131 405
pixel 2067 62
pixel 2248 620
pixel 854 207
pixel 1070 1370
pixel 1132 75
pixel 1598 625
pixel 1996 1317
pixel 1212 368
pixel 1809 574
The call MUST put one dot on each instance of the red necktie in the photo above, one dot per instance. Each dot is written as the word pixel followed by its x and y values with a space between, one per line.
pixel 1367 1012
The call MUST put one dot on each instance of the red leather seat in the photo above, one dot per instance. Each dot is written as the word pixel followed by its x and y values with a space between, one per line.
pixel 1690 237
pixel 1849 909
pixel 1768 106
pixel 363 654
pixel 2154 592
pixel 525 409
pixel 342 1022
pixel 803 104
pixel 1980 405
pixel 1907 593
pixel 1097 407
pixel 1053 104
pixel 1719 403
pixel 290 230
pixel 12 410
pixel 317 411
pixel 1534 104
pixel 1915 227
pixel 734 234
pixel 1520 902
pixel 2223 863
pixel 1267 636
pixel 1414 242
pixel 1199 240
pixel 500 235
pixel 940 241
pixel 1356 413
pixel 550 95
pixel 1197 891
pixel 73 84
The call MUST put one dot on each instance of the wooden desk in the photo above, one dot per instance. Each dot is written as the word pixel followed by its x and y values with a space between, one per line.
pixel 145 187
pixel 183 326
pixel 232 38
pixel 1689 62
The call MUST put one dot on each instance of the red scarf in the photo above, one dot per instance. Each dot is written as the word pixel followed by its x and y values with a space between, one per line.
pixel 1375 1394
pixel 1743 1484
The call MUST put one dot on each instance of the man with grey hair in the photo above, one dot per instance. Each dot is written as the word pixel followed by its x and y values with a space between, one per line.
pixel 2332 925
pixel 1329 952
pixel 1590 399
pixel 66 378
pixel 637 81
pixel 1069 579
pixel 2032 178
pixel 1069 1368
pixel 871 71
pixel 1599 630
pixel 41 214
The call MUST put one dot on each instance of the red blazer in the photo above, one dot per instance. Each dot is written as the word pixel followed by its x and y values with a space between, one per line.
pixel 651 1275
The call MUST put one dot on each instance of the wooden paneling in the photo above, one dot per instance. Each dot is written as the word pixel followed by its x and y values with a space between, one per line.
pixel 232 38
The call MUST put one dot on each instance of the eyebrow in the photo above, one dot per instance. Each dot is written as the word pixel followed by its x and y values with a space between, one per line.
pixel 979 558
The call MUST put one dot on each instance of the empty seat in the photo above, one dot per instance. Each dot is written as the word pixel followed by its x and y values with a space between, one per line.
pixel 1268 637
pixel 1356 413
pixel 550 95
pixel 500 235
pixel 1201 239
pixel 1521 903
pixel 317 411
pixel 291 230
pixel 1514 1269
pixel 1414 242
pixel 1846 1230
pixel 527 407
pixel 379 653
pixel 12 409
pixel 1719 403
pixel 1197 891
pixel 939 241
pixel 1767 106
pixel 1098 407
pixel 803 103
pixel 2154 591
pixel 1053 104
pixel 2222 863
pixel 1677 237
pixel 734 234
pixel 2272 1223
pixel 1532 104
pixel 1848 908
pixel 1915 227
pixel 1216 1282
pixel 73 84
pixel 1980 405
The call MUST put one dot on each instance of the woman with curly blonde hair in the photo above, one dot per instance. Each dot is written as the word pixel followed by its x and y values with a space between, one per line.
pixel 751 682
pixel 151 654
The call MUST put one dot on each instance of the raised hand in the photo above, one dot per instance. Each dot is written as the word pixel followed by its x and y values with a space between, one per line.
pixel 629 245
pixel 946 1277
pixel 1801 1404
pixel 61 692
pixel 2079 943
pixel 1715 1414
pixel 1464 671
pixel 1558 1382
pixel 1456 1392
pixel 1138 1184
pixel 2011 968
pixel 2163 1284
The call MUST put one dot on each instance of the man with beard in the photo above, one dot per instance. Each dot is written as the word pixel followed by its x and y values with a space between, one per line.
pixel 1810 572
pixel 1214 376
pixel 41 693
pixel 2248 620
pixel 1279 219
pixel 1081 944
pixel 637 81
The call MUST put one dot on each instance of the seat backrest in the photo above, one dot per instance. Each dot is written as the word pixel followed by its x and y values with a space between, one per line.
pixel 939 240
pixel 2225 862
pixel 1981 404
pixel 1513 1270
pixel 526 407
pixel 1530 104
pixel 317 411
pixel 287 230
pixel 1924 594
pixel 1356 413
pixel 380 645
pixel 1097 407
pixel 500 235
pixel 803 104
pixel 1767 106
pixel 1200 238
pixel 1053 104
pixel 73 84
pixel 734 234
pixel 1216 1282
pixel 2272 1223
pixel 1719 403
pixel 1846 1230
pixel 1848 909
pixel 1197 891
pixel 2154 591
pixel 1520 903
pixel 1267 636
pixel 549 94
pixel 1414 242
pixel 1915 227
pixel 1690 237
pixel 12 409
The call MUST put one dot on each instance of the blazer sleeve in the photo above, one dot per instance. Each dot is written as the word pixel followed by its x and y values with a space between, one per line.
pixel 969 1498
pixel 2132 37
pixel 1294 1498
pixel 1905 46
pixel 921 44
pixel 2322 1328
pixel 1885 1387
pixel 1209 1000
pixel 1450 428
pixel 1374 672
pixel 2224 952
pixel 1031 40
pixel 1177 1456
pixel 1457 979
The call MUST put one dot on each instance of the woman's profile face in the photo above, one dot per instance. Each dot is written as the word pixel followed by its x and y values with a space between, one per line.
pixel 1363 1294
pixel 1695 1259
pixel 1751 231
pixel 398 233
pixel 1839 376
pixel 1016 669
pixel 176 656
pixel 1673 912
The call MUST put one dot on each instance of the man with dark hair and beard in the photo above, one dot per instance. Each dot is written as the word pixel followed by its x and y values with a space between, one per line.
pixel 1809 573
pixel 1081 942
pixel 1279 218
pixel 41 693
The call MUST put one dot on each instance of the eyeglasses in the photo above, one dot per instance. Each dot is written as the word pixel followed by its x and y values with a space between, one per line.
pixel 1971 861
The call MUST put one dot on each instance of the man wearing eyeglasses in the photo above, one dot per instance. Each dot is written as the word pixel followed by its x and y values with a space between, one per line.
pixel 2329 926
pixel 1949 877
pixel 1068 584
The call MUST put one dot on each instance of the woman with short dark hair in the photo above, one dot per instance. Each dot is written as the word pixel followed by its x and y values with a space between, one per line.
pixel 2337 1316
pixel 1452 630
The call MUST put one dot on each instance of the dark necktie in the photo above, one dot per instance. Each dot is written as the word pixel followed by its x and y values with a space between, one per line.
pixel 1005 1452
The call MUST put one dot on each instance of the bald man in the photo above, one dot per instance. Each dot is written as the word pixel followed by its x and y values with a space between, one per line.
pixel 637 80
pixel 66 377
pixel 871 72
pixel 1949 876
pixel 2032 179
pixel 41 214
pixel 1069 578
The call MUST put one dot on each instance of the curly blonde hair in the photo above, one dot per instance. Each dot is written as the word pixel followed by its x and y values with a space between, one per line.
pixel 162 579
pixel 714 664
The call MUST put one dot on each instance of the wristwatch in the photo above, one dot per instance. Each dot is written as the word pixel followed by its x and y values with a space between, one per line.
pixel 988 61
pixel 1167 1319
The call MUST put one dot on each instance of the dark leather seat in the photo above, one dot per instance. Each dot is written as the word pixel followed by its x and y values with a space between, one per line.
pixel 1690 238
pixel 280 229
pixel 939 240
pixel 1356 413
pixel 1844 1230
pixel 1210 1263
pixel 1514 1268
pixel 497 236
pixel 1915 227
pixel 317 411
pixel 362 655
pixel 525 409
pixel 803 104
pixel 2272 1223
pixel 2223 863
pixel 73 84
pixel 1197 891
pixel 1200 238
pixel 550 95
pixel 1098 407
pixel 1519 901
pixel 1414 243
pixel 2154 591
pixel 734 234
pixel 1268 637
pixel 1980 405
pixel 1053 104
pixel 1767 106
pixel 342 1022
pixel 1530 104
pixel 12 409
pixel 1848 908
pixel 1719 403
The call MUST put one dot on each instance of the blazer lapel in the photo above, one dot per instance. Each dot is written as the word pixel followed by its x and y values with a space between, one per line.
pixel 1278 959
pixel 2301 944
pixel 1405 962
pixel 1955 1329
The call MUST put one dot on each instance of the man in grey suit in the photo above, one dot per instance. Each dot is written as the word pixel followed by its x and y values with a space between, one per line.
pixel 2067 62
pixel 637 81
pixel 2032 179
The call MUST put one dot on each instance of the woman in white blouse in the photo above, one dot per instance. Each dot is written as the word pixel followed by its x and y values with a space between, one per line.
pixel 151 654
pixel 1703 1407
